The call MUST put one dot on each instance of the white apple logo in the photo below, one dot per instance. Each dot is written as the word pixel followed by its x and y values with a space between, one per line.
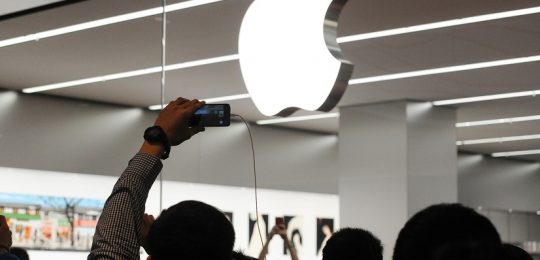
pixel 289 55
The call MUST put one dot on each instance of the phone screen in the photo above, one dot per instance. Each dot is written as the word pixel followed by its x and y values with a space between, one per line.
pixel 212 115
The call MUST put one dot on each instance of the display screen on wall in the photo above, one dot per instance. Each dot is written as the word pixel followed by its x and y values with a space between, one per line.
pixel 229 216
pixel 325 228
pixel 295 232
pixel 49 222
pixel 254 244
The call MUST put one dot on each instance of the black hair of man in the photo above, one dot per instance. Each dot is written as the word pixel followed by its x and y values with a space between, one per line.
pixel 237 255
pixel 448 232
pixel 191 230
pixel 20 253
pixel 352 244
pixel 512 252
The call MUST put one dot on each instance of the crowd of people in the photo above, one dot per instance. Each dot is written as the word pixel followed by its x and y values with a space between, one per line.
pixel 197 231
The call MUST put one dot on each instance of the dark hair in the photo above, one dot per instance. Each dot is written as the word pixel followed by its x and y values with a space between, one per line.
pixel 512 252
pixel 237 255
pixel 352 243
pixel 447 232
pixel 20 253
pixel 191 230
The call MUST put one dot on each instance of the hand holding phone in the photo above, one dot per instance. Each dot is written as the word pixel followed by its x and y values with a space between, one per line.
pixel 212 115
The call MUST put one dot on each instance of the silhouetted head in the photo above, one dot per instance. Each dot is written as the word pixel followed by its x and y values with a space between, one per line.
pixel 512 252
pixel 352 244
pixel 20 253
pixel 191 230
pixel 447 232
pixel 241 256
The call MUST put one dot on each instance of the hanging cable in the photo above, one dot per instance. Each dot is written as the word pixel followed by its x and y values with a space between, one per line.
pixel 254 177
pixel 163 55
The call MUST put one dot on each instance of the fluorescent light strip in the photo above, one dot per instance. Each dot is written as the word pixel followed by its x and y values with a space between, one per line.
pixel 516 153
pixel 438 25
pixel 498 121
pixel 498 140
pixel 226 98
pixel 532 93
pixel 193 3
pixel 297 118
pixel 133 73
pixel 187 4
pixel 211 100
pixel 105 21
pixel 435 71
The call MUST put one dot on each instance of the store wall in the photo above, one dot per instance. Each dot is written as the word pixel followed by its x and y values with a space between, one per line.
pixel 46 133
pixel 498 183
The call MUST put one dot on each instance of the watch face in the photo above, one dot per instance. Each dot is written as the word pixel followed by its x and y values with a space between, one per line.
pixel 155 134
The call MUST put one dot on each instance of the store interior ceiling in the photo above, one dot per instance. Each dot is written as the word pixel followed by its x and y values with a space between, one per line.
pixel 212 30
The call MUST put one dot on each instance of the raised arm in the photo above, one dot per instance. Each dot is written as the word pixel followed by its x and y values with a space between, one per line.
pixel 282 231
pixel 264 250
pixel 119 232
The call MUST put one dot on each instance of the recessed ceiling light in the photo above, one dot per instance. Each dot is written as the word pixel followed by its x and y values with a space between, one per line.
pixel 442 70
pixel 498 121
pixel 103 22
pixel 530 93
pixel 211 100
pixel 515 153
pixel 438 25
pixel 182 65
pixel 296 119
pixel 499 139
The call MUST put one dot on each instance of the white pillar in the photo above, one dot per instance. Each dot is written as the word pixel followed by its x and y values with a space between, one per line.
pixel 395 158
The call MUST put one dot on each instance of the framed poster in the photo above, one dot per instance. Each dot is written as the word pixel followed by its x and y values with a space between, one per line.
pixel 325 228
pixel 295 232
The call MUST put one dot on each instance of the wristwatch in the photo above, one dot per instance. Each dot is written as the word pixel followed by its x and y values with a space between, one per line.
pixel 156 135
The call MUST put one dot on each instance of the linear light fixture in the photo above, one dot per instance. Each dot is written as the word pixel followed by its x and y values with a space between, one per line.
pixel 498 139
pixel 212 100
pixel 418 73
pixel 438 25
pixel 182 65
pixel 193 3
pixel 532 93
pixel 459 125
pixel 296 118
pixel 516 153
pixel 103 22
pixel 498 121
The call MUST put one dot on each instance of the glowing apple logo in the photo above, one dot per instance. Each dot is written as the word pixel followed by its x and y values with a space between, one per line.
pixel 289 55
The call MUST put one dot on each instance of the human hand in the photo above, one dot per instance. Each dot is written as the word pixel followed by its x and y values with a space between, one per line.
pixel 5 234
pixel 281 230
pixel 174 119
pixel 148 220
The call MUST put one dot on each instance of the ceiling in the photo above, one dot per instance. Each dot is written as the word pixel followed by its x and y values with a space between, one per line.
pixel 212 30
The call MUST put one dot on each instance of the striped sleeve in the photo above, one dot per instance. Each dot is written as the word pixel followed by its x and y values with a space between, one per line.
pixel 119 229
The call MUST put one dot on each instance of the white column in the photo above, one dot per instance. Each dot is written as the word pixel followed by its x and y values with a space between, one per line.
pixel 395 158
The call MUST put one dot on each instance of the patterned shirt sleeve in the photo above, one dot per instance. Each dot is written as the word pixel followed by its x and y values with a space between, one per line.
pixel 119 230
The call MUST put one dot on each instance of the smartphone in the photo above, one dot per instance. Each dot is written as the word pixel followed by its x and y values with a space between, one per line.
pixel 280 221
pixel 212 115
